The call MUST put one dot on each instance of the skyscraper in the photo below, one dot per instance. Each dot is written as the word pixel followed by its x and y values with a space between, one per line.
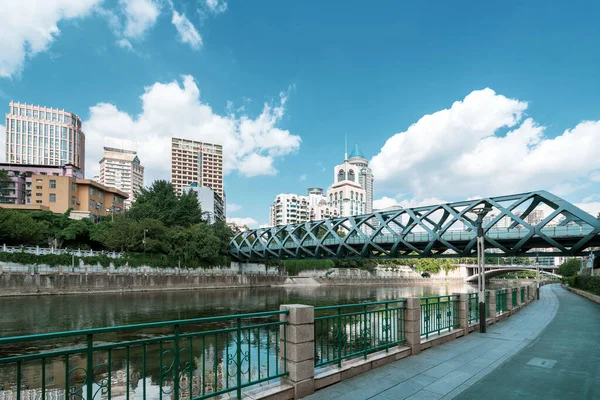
pixel 196 162
pixel 121 168
pixel 38 135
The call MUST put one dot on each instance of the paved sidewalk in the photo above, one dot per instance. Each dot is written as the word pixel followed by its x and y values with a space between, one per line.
pixel 563 363
pixel 449 369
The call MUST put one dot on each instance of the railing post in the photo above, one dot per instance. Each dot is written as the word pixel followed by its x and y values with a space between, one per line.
pixel 463 312
pixel 89 376
pixel 492 305
pixel 509 306
pixel 412 320
pixel 299 344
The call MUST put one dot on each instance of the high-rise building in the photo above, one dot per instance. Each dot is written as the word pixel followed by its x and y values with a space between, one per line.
pixel 196 162
pixel 38 135
pixel 347 194
pixel 120 168
pixel 293 208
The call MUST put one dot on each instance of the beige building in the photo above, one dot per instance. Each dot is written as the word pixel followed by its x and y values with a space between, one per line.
pixel 346 195
pixel 38 135
pixel 84 196
pixel 196 162
pixel 120 168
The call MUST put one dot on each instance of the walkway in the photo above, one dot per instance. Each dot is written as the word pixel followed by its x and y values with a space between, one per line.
pixel 512 360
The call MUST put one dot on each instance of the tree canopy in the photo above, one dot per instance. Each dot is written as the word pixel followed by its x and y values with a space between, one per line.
pixel 160 226
pixel 570 267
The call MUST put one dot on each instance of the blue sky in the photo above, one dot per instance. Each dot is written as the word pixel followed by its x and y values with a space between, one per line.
pixel 280 84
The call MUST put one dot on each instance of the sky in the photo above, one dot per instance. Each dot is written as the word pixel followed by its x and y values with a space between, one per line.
pixel 447 100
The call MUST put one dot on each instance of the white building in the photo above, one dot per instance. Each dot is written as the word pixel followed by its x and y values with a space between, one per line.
pixel 293 208
pixel 346 195
pixel 211 204
pixel 365 176
pixel 120 168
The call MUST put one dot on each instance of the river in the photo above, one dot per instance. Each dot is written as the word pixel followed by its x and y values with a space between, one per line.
pixel 28 315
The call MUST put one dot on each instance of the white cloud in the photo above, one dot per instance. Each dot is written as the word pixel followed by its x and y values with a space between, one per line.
pixel 232 207
pixel 250 145
pixel 217 6
pixel 264 226
pixel 592 207
pixel 187 32
pixel 249 222
pixel 384 202
pixel 124 43
pixel 2 143
pixel 462 151
pixel 302 177
pixel 140 15
pixel 30 27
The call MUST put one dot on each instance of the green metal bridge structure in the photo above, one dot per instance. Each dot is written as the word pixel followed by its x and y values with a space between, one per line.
pixel 518 225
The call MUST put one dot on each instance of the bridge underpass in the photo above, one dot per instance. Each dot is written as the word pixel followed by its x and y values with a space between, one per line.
pixel 493 271
pixel 520 225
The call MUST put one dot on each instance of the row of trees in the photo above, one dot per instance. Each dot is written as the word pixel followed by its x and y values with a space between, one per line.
pixel 161 227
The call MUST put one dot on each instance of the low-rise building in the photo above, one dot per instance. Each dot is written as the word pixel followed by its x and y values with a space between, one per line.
pixel 294 209
pixel 58 189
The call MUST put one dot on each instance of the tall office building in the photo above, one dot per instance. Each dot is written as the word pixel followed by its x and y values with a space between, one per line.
pixel 38 135
pixel 120 168
pixel 352 189
pixel 197 163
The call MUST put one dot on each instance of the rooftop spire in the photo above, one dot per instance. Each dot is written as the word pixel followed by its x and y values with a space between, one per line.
pixel 345 147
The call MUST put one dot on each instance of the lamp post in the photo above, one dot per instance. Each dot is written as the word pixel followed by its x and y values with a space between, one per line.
pixel 537 277
pixel 481 211
pixel 144 241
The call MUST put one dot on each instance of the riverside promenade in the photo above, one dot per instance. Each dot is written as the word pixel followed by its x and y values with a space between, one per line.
pixel 547 350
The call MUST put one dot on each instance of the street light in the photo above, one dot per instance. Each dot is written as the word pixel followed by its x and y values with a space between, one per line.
pixel 481 211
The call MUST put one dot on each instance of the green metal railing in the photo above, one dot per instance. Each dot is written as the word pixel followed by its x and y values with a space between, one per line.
pixel 501 301
pixel 473 307
pixel 522 295
pixel 487 304
pixel 182 359
pixel 352 330
pixel 514 297
pixel 439 313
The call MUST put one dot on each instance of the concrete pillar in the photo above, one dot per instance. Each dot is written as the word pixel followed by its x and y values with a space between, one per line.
pixel 300 348
pixel 519 302
pixel 412 320
pixel 61 270
pixel 463 311
pixel 509 306
pixel 492 305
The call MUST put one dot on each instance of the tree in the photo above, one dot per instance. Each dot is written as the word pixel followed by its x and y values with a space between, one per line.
pixel 17 228
pixel 570 267
pixel 160 202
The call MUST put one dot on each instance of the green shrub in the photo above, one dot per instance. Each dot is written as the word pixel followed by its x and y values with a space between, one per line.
pixel 570 267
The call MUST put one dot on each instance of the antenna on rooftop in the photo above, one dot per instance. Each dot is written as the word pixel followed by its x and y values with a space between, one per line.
pixel 345 147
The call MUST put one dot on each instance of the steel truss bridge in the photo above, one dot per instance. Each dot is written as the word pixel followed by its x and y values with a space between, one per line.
pixel 512 227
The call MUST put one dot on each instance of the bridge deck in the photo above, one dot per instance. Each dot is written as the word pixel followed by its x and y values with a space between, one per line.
pixel 495 364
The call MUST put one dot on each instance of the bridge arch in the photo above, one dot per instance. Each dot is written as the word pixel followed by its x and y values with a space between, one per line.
pixel 500 271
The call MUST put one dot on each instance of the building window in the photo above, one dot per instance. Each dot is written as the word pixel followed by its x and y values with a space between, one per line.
pixel 38 187
pixel 351 175
pixel 73 187
pixel 52 184
pixel 92 204
pixel 73 200
pixel 38 201
pixel 38 195
pixel 39 180
pixel 52 198
pixel 92 191
pixel 341 175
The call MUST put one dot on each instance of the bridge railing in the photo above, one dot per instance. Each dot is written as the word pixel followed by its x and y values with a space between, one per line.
pixel 352 330
pixel 193 358
pixel 473 314
pixel 439 313
pixel 514 297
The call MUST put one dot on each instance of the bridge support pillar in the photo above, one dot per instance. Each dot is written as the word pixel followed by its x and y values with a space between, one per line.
pixel 492 305
pixel 299 348
pixel 412 319
pixel 463 312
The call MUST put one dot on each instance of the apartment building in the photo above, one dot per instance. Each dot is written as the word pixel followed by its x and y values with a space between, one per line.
pixel 196 162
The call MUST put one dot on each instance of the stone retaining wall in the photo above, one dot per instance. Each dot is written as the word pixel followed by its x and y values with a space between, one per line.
pixel 582 293
pixel 12 284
